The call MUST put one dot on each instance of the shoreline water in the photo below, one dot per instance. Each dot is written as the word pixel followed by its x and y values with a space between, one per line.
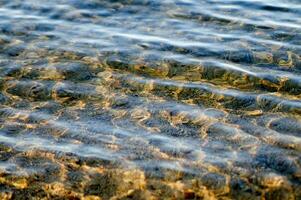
pixel 172 99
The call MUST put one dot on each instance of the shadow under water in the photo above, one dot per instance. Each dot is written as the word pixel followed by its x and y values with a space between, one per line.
pixel 147 99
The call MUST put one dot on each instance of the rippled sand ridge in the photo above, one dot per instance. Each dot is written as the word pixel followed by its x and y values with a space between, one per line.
pixel 149 99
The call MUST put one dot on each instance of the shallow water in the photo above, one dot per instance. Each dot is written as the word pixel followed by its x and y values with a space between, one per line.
pixel 149 99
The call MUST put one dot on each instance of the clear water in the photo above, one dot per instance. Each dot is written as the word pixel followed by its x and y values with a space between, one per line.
pixel 185 98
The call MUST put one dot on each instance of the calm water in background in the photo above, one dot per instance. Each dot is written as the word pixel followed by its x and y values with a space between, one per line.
pixel 201 94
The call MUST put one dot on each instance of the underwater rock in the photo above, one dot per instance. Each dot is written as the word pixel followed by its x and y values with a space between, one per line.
pixel 115 183
pixel 286 125
pixel 75 71
pixel 276 161
pixel 215 182
pixel 279 194
pixel 15 50
pixel 241 189
pixel 30 89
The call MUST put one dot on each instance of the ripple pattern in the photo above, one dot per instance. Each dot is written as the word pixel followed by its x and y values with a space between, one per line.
pixel 147 99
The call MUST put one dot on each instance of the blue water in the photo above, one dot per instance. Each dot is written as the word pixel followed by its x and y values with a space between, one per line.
pixel 195 87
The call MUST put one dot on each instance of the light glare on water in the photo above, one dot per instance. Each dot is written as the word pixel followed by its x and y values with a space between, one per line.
pixel 149 99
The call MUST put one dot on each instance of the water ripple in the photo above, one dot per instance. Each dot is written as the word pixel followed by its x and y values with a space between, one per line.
pixel 175 98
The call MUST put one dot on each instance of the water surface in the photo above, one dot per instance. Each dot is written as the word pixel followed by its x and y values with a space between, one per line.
pixel 149 99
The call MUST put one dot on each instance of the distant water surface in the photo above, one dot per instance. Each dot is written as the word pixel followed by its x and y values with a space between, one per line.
pixel 150 99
